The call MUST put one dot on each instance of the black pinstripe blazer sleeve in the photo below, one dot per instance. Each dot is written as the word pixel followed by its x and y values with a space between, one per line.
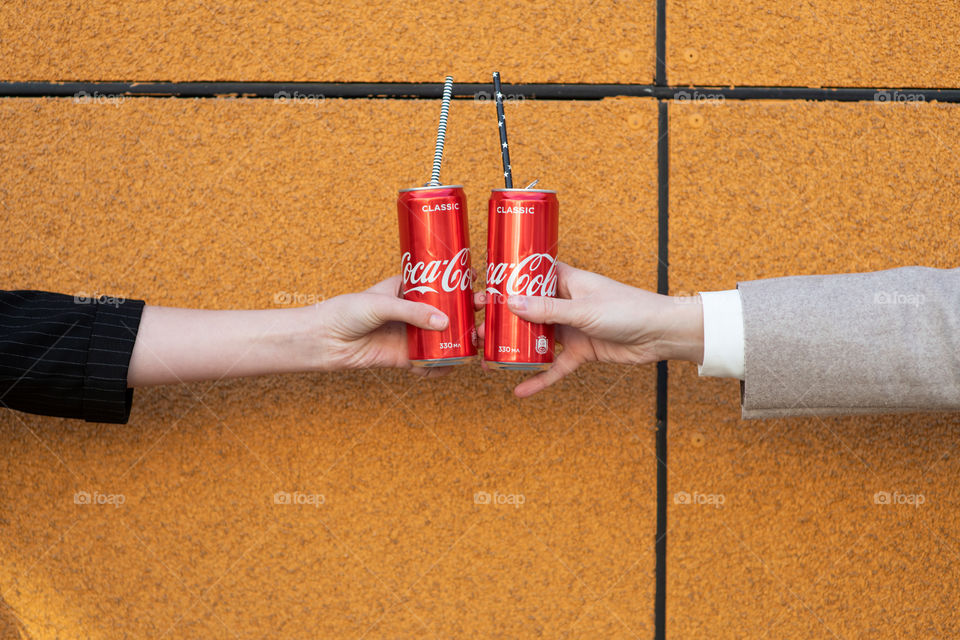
pixel 67 356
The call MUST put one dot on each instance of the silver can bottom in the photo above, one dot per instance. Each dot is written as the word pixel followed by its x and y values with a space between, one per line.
pixel 518 366
pixel 442 362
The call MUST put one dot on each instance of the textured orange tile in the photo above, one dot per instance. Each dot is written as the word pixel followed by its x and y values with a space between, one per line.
pixel 773 526
pixel 344 41
pixel 250 203
pixel 816 44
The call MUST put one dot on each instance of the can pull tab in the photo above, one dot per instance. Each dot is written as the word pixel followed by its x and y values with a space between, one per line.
pixel 530 186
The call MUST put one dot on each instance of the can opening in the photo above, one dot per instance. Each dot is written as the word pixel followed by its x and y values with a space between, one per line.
pixel 429 188
pixel 522 190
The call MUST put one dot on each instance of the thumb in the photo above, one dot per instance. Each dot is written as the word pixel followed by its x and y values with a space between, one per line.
pixel 546 310
pixel 388 308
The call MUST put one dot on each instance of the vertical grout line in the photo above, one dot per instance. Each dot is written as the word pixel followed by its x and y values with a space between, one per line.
pixel 663 287
pixel 661 44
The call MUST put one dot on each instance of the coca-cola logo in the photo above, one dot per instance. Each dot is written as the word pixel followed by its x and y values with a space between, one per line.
pixel 535 275
pixel 454 274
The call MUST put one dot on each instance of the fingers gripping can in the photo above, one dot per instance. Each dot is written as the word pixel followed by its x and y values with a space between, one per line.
pixel 435 269
pixel 521 260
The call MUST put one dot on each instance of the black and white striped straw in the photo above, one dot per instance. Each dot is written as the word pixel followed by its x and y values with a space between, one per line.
pixel 441 131
pixel 502 124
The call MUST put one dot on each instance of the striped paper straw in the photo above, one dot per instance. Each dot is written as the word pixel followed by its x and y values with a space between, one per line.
pixel 441 131
pixel 504 149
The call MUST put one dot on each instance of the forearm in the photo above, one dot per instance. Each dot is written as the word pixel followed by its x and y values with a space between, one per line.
pixel 682 335
pixel 183 345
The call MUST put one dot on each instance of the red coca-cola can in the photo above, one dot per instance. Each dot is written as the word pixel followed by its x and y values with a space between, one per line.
pixel 521 260
pixel 435 268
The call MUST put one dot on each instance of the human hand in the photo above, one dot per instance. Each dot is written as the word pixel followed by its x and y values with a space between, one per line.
pixel 599 319
pixel 368 329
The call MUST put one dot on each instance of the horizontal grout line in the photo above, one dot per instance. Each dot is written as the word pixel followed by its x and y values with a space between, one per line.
pixel 477 91
pixel 294 90
pixel 837 94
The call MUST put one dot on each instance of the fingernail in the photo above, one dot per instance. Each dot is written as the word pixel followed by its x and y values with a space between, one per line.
pixel 438 321
pixel 517 302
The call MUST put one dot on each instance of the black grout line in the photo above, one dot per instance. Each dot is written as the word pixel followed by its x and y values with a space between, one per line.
pixel 833 94
pixel 663 287
pixel 304 90
pixel 661 44
pixel 478 91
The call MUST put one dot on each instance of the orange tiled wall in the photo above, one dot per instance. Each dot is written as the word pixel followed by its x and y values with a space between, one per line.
pixel 343 41
pixel 788 540
pixel 235 203
pixel 247 203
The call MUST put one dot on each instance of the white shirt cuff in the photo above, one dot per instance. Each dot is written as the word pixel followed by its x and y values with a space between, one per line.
pixel 723 344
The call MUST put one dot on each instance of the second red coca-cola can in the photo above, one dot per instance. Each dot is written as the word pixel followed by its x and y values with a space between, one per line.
pixel 435 269
pixel 522 234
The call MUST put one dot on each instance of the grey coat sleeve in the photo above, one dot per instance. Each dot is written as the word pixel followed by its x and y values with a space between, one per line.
pixel 882 342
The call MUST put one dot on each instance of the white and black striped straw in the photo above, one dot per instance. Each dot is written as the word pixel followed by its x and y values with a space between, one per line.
pixel 441 131
pixel 504 149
